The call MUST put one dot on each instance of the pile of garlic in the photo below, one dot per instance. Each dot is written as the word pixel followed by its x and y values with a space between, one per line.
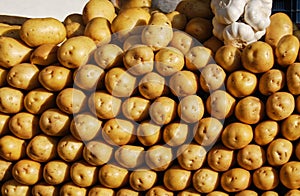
pixel 240 22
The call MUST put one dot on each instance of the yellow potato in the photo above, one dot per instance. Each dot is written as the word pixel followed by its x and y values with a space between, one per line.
pixel 99 30
pixel 10 31
pixel 200 28
pixel 74 25
pixel 37 31
pixel 98 8
pixel 195 8
pixel 45 54
pixel 287 50
pixel 125 4
pixel 178 20
pixel 13 52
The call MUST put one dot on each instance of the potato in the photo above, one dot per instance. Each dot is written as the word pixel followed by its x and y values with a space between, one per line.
pixel 44 189
pixel 131 41
pixel 241 180
pixel 130 156
pixel 11 100
pixel 23 76
pixel 212 77
pixel 213 43
pixel 27 171
pixel 12 31
pixel 113 176
pixel 247 193
pixel 108 56
pixel 70 188
pixel 56 172
pixel 287 50
pixel 289 175
pixel 14 188
pixel 128 21
pixel 279 152
pixel 142 179
pixel 175 133
pixel 83 174
pixel 12 148
pixel 290 127
pixel 4 123
pixel 190 108
pixel 136 108
pixel 99 30
pixel 177 178
pixel 71 100
pixel 199 28
pixel 70 149
pixel 24 125
pixel 125 4
pixel 127 191
pixel 75 51
pixel 5 170
pixel 98 8
pixel 159 157
pixel 148 133
pixel 228 57
pixel 195 8
pixel 178 20
pixel 281 25
pixel 220 158
pixel 3 75
pixel 205 180
pixel 266 178
pixel 99 190
pixel 292 78
pixel 184 83
pixel 45 54
pixel 13 52
pixel 251 157
pixel 159 190
pixel 74 25
pixel 163 110
pixel 97 153
pixel 217 193
pixel 198 57
pixel 182 41
pixel 271 81
pixel 265 132
pixel 37 31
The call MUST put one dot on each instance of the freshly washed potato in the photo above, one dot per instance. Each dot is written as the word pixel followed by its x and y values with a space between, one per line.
pixel 113 176
pixel 163 110
pixel 177 178
pixel 292 78
pixel 4 124
pixel 74 25
pixel 279 152
pixel 205 180
pixel 14 188
pixel 131 41
pixel 159 190
pixel 289 175
pixel 213 43
pixel 271 81
pixel 130 156
pixel 195 8
pixel 12 31
pixel 12 148
pixel 247 193
pixel 45 54
pixel 24 125
pixel 23 76
pixel 217 193
pixel 178 20
pixel 148 133
pixel 229 58
pixel 70 188
pixel 127 22
pixel 190 108
pixel 220 158
pixel 125 4
pixel 44 189
pixel 242 180
pixel 56 172
pixel 13 52
pixel 71 100
pixel 287 50
pixel 98 29
pixel 98 8
pixel 127 191
pixel 99 190
pixel 281 25
pixel 142 179
pixel 108 56
pixel 70 149
pixel 175 133
pixel 182 41
pixel 5 170
pixel 290 127
pixel 184 83
pixel 188 192
pixel 265 132
pixel 212 77
pixel 265 178
pixel 27 171
pixel 37 31
pixel 11 100
pixel 83 174
pixel 199 28
pixel 136 108
pixel 198 57
pixel 251 157
pixel 97 153
pixel 55 77
pixel 54 122
pixel 75 51
pixel 159 157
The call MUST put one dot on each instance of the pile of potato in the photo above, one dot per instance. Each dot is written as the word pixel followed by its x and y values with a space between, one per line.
pixel 124 99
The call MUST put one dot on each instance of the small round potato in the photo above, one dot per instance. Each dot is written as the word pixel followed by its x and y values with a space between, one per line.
pixel 290 127
pixel 234 138
pixel 280 105
pixel 119 82
pixel 177 178
pixel 184 83
pixel 39 100
pixel 271 81
pixel 11 100
pixel 132 41
pixel 175 133
pixel 12 148
pixel 24 125
pixel 5 170
pixel 136 108
pixel 220 104
pixel 207 131
pixel 142 179
pixel 265 132
pixel 83 174
pixel 213 43
pixel 200 28
pixel 190 108
pixel 247 193
pixel 270 193
pixel 98 29
pixel 108 56
pixel 148 133
pixel 23 76
pixel 191 156
pixel 70 149
pixel 139 60
pixel 101 190
pixel 70 188
pixel 75 51
pixel 182 41
pixel 241 83
pixel 85 126
pixel 55 77
pixel 27 171
pixel 158 157
pixel 287 50
pixel 88 77
pixel 163 110
pixel 235 180
pixel 212 77
pixel 74 25
pixel 130 156
pixel 45 54
pixel 258 57
pixel 195 8
pixel 56 172
pixel 159 190
pixel 104 105
pixel 168 61
pixel 37 31
pixel 152 86
pixel 198 57
pixel 205 180
pixel 217 193
pixel 118 132
pixel 279 152
pixel 44 189
pixel 97 153
pixel 292 78
pixel 127 191
pixel 42 148
pixel 251 157
pixel 13 52
pixel 96 8
pixel 292 192
pixel 54 122
pixel 178 20
pixel 113 176
pixel 71 100
pixel 188 192
pixel 14 188
pixel 229 58
pixel 265 178
pixel 220 158
pixel 289 175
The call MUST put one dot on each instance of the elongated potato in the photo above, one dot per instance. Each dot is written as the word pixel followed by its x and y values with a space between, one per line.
pixel 98 8
pixel 37 31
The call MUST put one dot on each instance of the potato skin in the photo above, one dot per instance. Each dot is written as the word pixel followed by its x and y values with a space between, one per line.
pixel 37 31
pixel 98 8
